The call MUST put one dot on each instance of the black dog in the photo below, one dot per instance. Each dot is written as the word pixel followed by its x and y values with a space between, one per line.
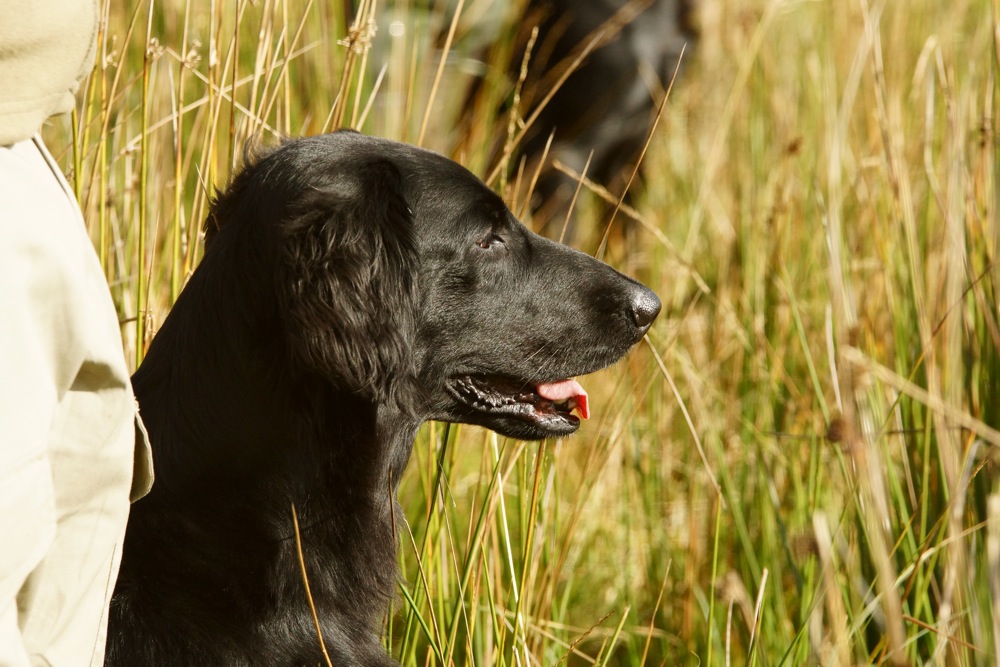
pixel 351 288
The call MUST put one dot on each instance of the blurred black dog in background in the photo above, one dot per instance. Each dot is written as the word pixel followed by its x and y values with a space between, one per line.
pixel 607 104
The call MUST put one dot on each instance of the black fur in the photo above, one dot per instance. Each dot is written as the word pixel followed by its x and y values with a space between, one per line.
pixel 351 288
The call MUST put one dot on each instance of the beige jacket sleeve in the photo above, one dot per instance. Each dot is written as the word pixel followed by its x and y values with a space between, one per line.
pixel 46 49
pixel 67 435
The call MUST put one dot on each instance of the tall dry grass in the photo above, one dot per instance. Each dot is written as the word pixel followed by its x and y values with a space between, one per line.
pixel 798 466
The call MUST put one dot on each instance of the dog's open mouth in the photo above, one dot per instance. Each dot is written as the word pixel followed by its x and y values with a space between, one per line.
pixel 548 405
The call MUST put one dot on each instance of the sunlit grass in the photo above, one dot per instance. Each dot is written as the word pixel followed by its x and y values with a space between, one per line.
pixel 798 466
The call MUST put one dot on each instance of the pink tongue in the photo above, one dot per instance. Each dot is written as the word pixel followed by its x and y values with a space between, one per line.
pixel 563 390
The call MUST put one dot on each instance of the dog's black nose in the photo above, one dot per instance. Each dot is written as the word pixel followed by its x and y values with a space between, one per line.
pixel 645 307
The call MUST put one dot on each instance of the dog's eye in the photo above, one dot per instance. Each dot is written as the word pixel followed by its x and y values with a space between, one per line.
pixel 491 240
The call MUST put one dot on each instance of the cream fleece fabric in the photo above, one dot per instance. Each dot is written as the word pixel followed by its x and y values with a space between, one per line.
pixel 46 48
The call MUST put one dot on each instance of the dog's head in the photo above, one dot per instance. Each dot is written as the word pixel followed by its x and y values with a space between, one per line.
pixel 401 277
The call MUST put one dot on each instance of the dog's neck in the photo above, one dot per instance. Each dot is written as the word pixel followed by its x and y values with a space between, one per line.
pixel 397 432
pixel 244 419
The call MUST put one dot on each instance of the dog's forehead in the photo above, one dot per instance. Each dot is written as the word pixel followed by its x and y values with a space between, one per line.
pixel 435 185
pixel 436 182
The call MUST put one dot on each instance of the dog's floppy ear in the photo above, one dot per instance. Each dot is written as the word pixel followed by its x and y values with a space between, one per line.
pixel 347 280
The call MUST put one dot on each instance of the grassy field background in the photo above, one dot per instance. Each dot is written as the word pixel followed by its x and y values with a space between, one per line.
pixel 799 466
